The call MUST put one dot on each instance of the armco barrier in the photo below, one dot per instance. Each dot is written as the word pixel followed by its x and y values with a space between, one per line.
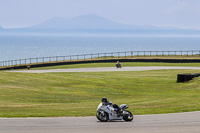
pixel 98 57
pixel 95 56
pixel 101 61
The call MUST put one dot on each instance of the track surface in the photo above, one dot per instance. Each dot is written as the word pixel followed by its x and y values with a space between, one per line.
pixel 160 123
pixel 104 69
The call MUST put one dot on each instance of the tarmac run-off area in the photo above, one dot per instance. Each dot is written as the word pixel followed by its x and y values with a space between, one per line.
pixel 160 123
pixel 104 69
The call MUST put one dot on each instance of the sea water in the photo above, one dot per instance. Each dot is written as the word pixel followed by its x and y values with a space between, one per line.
pixel 20 47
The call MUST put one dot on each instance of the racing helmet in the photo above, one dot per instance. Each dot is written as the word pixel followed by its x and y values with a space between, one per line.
pixel 104 100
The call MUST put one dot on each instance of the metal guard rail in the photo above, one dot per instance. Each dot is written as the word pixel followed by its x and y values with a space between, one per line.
pixel 111 55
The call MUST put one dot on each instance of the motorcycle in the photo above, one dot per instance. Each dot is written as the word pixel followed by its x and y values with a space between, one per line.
pixel 108 112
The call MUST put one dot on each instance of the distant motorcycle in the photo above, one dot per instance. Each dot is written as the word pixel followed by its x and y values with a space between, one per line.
pixel 118 65
pixel 107 112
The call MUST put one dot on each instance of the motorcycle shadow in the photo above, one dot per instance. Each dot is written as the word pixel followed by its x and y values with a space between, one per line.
pixel 113 121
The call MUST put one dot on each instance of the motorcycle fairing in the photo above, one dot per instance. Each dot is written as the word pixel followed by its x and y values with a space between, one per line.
pixel 110 111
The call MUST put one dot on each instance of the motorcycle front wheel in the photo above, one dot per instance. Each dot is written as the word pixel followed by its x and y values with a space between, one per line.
pixel 128 116
pixel 102 118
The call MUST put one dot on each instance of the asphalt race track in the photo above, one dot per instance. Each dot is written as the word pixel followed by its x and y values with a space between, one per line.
pixel 104 69
pixel 188 122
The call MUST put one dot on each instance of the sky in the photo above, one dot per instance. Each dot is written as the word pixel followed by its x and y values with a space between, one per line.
pixel 162 13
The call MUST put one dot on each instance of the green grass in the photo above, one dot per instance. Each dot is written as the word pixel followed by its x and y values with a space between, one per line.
pixel 78 94
pixel 124 64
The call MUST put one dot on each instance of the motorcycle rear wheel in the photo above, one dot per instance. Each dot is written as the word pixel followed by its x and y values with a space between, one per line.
pixel 128 117
pixel 102 119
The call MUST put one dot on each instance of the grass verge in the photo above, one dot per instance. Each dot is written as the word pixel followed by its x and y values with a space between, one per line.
pixel 78 94
pixel 124 64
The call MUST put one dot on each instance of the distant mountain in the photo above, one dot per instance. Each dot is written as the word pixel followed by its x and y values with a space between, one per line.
pixel 93 24
pixel 1 28
pixel 86 22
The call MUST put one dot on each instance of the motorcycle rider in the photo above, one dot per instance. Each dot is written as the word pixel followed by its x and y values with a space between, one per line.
pixel 118 65
pixel 106 102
